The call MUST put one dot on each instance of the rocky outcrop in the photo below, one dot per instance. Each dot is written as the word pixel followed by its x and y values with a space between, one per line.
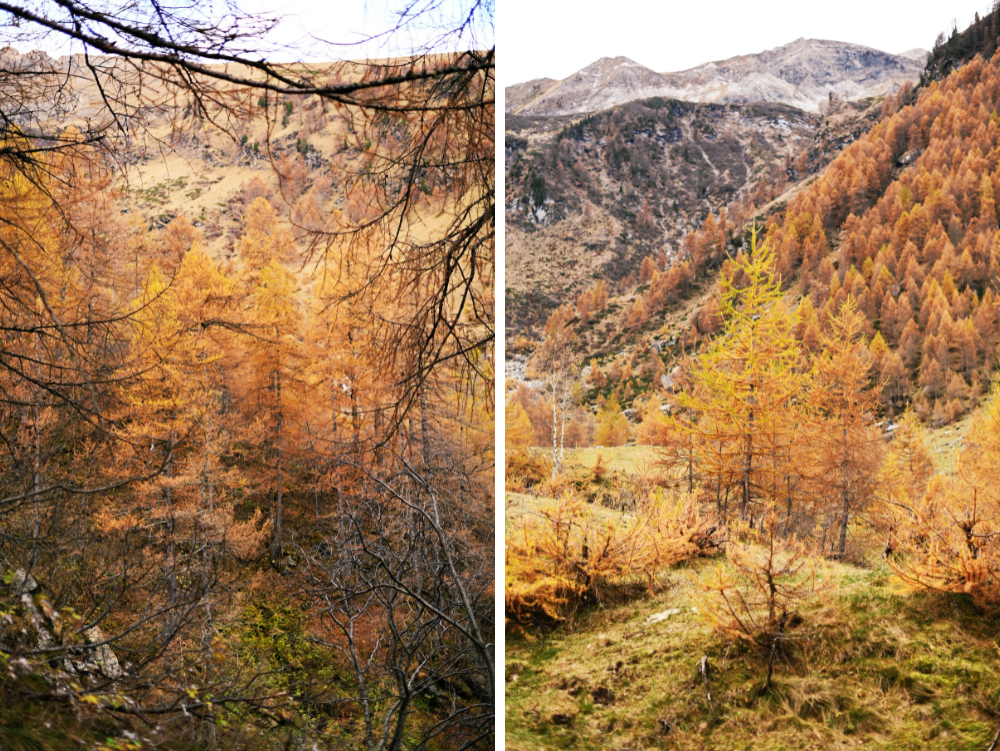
pixel 91 659
pixel 802 74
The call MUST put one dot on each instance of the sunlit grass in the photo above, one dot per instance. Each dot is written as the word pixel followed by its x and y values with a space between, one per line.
pixel 872 666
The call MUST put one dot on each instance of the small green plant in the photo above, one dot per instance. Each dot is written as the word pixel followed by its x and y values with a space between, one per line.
pixel 538 190
pixel 243 141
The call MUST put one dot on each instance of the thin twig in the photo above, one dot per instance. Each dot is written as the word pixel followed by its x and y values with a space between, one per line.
pixel 996 739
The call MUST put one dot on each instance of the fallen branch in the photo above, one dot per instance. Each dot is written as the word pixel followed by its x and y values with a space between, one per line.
pixel 996 739
pixel 703 670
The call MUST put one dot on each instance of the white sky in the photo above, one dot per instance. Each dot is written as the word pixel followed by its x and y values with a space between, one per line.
pixel 311 30
pixel 555 38
pixel 307 24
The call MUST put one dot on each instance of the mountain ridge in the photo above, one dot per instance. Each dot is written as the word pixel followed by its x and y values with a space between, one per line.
pixel 803 74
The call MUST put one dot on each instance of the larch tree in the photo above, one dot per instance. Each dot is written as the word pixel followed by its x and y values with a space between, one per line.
pixel 273 382
pixel 744 386
pixel 132 368
pixel 847 445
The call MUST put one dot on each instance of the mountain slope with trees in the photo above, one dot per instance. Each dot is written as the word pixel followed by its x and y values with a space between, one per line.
pixel 812 391
pixel 590 198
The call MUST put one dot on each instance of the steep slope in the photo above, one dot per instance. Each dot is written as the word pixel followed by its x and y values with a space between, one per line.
pixel 952 51
pixel 802 74
pixel 520 93
pixel 590 198
pixel 300 152
pixel 605 83
pixel 903 222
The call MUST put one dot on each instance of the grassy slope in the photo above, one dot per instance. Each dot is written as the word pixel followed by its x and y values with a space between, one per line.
pixel 875 665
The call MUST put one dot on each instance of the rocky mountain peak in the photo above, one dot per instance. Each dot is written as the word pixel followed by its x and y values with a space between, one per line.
pixel 803 74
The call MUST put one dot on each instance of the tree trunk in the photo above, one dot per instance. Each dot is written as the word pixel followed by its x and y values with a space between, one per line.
pixel 555 433
pixel 278 429
pixel 842 545
pixel 424 428
pixel 691 466
pixel 747 461
pixel 37 500
pixel 562 436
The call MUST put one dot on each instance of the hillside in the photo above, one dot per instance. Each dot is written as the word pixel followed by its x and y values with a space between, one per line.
pixel 902 220
pixel 753 489
pixel 590 198
pixel 208 168
pixel 803 74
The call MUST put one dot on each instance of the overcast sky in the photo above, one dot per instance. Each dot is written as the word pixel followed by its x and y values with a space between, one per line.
pixel 311 30
pixel 555 38
pixel 307 26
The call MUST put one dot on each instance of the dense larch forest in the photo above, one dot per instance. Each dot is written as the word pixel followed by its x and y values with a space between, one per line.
pixel 246 464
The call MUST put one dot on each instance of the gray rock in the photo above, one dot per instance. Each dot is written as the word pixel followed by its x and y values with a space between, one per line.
pixel 808 74
pixel 101 659
pixel 23 583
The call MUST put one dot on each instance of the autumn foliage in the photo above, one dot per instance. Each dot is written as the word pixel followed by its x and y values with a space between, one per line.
pixel 569 552
pixel 186 436
pixel 948 539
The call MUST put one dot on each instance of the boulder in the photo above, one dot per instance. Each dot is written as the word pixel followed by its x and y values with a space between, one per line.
pixel 100 660
pixel 23 583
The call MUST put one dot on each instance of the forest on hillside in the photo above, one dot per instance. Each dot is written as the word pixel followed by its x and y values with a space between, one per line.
pixel 246 489
pixel 903 222
pixel 781 460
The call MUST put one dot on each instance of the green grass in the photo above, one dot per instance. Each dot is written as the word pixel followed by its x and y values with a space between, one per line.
pixel 944 443
pixel 874 666
pixel 519 506
pixel 624 459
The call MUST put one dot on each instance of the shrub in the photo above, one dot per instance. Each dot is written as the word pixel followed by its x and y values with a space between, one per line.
pixel 572 552
pixel 949 540
pixel 756 597
pixel 613 428
pixel 524 469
